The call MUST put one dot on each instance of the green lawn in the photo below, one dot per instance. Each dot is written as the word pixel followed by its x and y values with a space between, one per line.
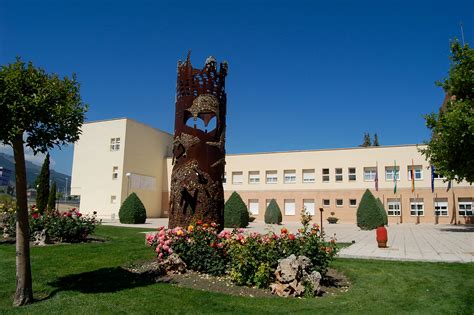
pixel 85 279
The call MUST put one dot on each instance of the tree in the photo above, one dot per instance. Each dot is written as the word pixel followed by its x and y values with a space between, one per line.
pixel 42 188
pixel 43 111
pixel 369 213
pixel 366 143
pixel 452 130
pixel 132 210
pixel 52 198
pixel 273 213
pixel 375 143
pixel 236 213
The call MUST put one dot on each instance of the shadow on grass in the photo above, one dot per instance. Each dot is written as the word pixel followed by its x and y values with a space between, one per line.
pixel 104 280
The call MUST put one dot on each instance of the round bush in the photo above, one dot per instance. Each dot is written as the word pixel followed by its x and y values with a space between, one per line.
pixel 273 213
pixel 369 213
pixel 236 214
pixel 132 210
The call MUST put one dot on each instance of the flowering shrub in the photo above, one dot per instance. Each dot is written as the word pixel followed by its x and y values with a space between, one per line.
pixel 70 226
pixel 249 258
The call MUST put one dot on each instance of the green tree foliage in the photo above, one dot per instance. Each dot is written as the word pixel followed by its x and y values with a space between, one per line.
pixel 41 111
pixel 452 130
pixel 273 213
pixel 42 190
pixel 369 214
pixel 236 214
pixel 382 210
pixel 366 142
pixel 132 210
pixel 52 198
pixel 375 143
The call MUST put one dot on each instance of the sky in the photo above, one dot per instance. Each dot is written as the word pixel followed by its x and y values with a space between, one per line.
pixel 302 74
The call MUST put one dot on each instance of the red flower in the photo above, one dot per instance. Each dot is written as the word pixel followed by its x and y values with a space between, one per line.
pixel 291 236
pixel 199 222
pixel 35 215
pixel 284 231
pixel 214 224
pixel 68 214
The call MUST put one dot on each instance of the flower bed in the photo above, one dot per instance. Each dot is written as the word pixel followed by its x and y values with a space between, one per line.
pixel 249 258
pixel 70 226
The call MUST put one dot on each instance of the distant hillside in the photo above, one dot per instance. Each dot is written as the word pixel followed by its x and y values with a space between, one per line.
pixel 32 171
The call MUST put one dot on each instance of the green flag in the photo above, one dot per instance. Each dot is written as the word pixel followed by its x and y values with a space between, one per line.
pixel 395 177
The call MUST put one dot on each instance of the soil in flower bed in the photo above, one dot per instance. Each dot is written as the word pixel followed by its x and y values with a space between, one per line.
pixel 334 283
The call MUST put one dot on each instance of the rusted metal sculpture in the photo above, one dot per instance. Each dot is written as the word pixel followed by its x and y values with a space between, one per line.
pixel 198 153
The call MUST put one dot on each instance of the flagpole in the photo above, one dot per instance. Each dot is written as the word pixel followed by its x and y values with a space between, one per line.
pixel 401 213
pixel 436 215
pixel 417 211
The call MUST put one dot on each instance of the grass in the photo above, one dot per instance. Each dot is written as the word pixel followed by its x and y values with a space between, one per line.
pixel 85 279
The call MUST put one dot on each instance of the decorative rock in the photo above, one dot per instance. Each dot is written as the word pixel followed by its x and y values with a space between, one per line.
pixel 173 264
pixel 40 238
pixel 292 275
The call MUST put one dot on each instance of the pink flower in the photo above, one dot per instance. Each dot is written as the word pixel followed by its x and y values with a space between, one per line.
pixel 220 245
pixel 166 247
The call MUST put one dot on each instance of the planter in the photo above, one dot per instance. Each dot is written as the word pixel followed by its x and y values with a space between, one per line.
pixel 382 236
pixel 332 220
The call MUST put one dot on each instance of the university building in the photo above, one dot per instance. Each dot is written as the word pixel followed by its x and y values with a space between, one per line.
pixel 114 158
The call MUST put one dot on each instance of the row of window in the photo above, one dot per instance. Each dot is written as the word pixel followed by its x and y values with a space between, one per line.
pixel 393 206
pixel 309 176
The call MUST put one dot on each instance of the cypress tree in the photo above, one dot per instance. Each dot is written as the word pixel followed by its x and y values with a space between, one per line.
pixel 376 141
pixel 366 143
pixel 236 214
pixel 273 213
pixel 369 214
pixel 382 211
pixel 42 190
pixel 52 198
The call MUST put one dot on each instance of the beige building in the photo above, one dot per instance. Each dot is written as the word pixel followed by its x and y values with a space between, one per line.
pixel 116 157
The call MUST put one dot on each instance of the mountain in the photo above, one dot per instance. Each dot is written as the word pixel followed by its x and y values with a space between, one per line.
pixel 32 171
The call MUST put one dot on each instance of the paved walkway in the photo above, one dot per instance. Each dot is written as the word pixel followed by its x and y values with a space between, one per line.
pixel 422 242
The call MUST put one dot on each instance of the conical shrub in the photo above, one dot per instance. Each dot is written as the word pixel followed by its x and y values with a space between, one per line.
pixel 382 209
pixel 369 214
pixel 236 214
pixel 132 210
pixel 273 213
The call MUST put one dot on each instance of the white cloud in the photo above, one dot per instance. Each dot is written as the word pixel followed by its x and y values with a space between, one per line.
pixel 37 159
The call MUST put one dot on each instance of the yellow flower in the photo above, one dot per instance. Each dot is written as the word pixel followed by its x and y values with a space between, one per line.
pixel 190 228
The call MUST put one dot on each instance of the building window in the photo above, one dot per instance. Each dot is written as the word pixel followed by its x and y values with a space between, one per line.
pixel 308 205
pixel 113 199
pixel 254 177
pixel 352 174
pixel 290 207
pixel 418 172
pixel 392 172
pixel 441 207
pixel 339 203
pixel 224 179
pixel 115 172
pixel 289 176
pixel 253 206
pixel 352 202
pixel 338 174
pixel 114 144
pixel 465 206
pixel 309 176
pixel 369 174
pixel 271 177
pixel 326 202
pixel 416 207
pixel 237 178
pixel 393 206
pixel 325 175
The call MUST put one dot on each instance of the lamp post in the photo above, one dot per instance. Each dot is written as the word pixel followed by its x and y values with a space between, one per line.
pixel 128 182
pixel 321 210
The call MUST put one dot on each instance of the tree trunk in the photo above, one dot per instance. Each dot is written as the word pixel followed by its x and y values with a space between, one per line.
pixel 24 290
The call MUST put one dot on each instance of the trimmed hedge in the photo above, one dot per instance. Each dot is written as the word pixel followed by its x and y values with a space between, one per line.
pixel 369 213
pixel 382 209
pixel 236 214
pixel 132 210
pixel 273 213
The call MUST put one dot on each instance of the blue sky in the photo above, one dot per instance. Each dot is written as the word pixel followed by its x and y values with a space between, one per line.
pixel 302 74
